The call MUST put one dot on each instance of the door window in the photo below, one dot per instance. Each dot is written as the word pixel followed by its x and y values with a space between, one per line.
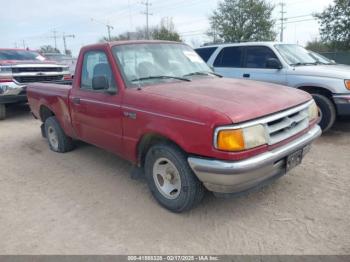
pixel 229 57
pixel 257 56
pixel 205 53
pixel 96 64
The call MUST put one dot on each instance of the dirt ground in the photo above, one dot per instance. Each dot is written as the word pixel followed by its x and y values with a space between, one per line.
pixel 84 202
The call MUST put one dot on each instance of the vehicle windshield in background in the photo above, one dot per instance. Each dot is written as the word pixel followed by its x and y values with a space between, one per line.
pixel 57 57
pixel 153 63
pixel 321 59
pixel 20 55
pixel 295 55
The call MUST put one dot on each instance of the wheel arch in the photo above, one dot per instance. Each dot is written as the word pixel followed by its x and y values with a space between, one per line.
pixel 45 112
pixel 318 90
pixel 147 141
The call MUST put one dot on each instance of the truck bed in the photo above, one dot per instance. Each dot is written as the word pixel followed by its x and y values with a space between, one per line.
pixel 55 96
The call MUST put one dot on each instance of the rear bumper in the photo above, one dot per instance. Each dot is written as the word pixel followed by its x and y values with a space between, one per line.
pixel 232 177
pixel 11 92
pixel 342 103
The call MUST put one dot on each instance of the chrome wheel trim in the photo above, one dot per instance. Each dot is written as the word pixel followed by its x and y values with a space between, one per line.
pixel 167 178
pixel 52 136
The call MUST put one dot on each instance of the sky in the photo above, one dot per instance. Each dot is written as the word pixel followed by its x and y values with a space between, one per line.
pixel 31 23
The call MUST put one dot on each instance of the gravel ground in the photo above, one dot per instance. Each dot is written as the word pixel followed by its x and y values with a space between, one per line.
pixel 84 202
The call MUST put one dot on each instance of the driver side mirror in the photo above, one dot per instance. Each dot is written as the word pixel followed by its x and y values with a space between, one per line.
pixel 100 83
pixel 273 63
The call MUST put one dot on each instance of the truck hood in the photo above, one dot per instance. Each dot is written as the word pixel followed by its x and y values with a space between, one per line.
pixel 331 71
pixel 240 100
pixel 26 62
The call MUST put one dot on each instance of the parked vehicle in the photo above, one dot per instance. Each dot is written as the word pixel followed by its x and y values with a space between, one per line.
pixel 158 105
pixel 286 64
pixel 18 68
pixel 69 61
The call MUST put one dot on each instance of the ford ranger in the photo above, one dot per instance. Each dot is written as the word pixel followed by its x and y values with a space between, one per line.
pixel 158 105
pixel 18 67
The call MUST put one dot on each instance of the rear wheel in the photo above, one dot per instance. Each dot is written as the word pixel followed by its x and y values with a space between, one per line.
pixel 2 111
pixel 56 137
pixel 327 112
pixel 171 180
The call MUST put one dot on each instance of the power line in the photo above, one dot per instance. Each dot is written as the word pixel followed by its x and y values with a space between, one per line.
pixel 147 4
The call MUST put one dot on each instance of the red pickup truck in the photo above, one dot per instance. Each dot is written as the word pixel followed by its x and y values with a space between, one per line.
pixel 158 105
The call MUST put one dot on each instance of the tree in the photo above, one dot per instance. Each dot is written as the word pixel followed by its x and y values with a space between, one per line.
pixel 242 20
pixel 335 24
pixel 166 31
pixel 139 34
pixel 49 49
pixel 318 46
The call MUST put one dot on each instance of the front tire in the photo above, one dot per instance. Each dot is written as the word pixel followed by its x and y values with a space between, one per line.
pixel 2 111
pixel 58 141
pixel 328 113
pixel 171 180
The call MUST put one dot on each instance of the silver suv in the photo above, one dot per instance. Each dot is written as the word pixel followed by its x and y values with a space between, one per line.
pixel 286 64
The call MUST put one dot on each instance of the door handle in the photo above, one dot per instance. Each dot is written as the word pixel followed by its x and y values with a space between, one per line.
pixel 131 115
pixel 76 100
pixel 246 75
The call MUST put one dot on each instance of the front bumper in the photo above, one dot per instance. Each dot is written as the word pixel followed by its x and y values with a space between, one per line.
pixel 233 177
pixel 11 92
pixel 342 103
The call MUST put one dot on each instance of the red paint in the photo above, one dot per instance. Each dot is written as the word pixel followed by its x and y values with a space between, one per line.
pixel 184 112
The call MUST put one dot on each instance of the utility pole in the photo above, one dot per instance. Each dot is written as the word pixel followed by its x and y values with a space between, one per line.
pixel 24 44
pixel 54 36
pixel 64 37
pixel 108 26
pixel 147 4
pixel 282 4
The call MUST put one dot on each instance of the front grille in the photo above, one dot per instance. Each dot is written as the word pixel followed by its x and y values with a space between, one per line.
pixel 31 79
pixel 36 69
pixel 286 126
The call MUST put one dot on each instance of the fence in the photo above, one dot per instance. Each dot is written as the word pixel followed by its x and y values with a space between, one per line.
pixel 339 57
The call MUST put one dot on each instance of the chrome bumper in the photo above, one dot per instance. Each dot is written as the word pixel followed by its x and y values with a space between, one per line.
pixel 230 177
pixel 10 88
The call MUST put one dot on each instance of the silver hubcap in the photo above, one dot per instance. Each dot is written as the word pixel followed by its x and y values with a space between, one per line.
pixel 52 136
pixel 167 178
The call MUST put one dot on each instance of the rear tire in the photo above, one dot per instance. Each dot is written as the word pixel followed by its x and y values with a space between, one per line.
pixel 58 141
pixel 2 111
pixel 328 113
pixel 170 178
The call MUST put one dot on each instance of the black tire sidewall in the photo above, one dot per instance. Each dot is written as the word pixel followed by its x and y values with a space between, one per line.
pixel 2 111
pixel 62 138
pixel 328 111
pixel 191 189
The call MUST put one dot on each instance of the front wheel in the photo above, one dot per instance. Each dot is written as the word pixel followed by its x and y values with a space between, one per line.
pixel 171 180
pixel 2 111
pixel 327 112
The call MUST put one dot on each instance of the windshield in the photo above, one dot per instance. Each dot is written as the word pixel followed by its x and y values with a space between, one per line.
pixel 321 59
pixel 154 63
pixel 57 57
pixel 20 55
pixel 295 54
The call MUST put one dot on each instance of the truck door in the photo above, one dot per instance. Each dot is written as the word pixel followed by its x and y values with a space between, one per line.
pixel 95 103
pixel 255 65
pixel 229 62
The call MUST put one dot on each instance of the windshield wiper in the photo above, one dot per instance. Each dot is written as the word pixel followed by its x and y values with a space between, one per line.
pixel 203 73
pixel 302 64
pixel 160 77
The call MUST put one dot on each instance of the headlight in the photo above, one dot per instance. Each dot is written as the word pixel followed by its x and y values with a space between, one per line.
pixel 313 111
pixel 240 139
pixel 347 84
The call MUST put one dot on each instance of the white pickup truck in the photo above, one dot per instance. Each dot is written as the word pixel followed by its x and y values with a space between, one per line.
pixel 18 67
pixel 286 64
